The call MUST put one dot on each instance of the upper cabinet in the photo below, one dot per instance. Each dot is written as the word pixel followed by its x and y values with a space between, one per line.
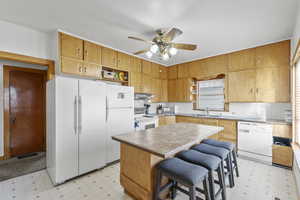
pixel 183 70
pixel 71 47
pixel 273 55
pixel 135 64
pixel 163 72
pixel 109 58
pixel 214 65
pixel 172 72
pixel 155 70
pixel 241 60
pixel 123 61
pixel 146 67
pixel 92 53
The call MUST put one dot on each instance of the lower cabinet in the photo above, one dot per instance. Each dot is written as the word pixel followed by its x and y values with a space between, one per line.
pixel 282 155
pixel 166 120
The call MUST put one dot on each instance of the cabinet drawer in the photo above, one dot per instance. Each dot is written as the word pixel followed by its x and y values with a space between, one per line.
pixel 282 155
pixel 210 122
pixel 188 119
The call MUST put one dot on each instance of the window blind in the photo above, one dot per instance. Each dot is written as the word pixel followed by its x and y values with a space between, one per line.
pixel 297 102
pixel 210 95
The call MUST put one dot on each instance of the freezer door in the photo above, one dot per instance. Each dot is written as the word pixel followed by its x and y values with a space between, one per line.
pixel 120 96
pixel 91 125
pixel 119 121
pixel 65 136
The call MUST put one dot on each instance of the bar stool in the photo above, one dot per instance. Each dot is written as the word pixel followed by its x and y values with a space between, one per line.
pixel 210 162
pixel 184 173
pixel 223 154
pixel 226 145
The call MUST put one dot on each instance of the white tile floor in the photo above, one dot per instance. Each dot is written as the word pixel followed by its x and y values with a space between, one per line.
pixel 257 182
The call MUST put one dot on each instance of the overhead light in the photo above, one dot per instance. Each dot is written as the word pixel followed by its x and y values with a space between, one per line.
pixel 149 54
pixel 165 56
pixel 173 51
pixel 154 48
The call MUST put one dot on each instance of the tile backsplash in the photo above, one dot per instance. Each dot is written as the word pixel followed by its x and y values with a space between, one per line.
pixel 251 110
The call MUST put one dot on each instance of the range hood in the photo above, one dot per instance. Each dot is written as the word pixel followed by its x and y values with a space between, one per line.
pixel 143 96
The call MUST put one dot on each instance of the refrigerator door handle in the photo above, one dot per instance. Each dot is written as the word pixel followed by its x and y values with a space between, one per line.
pixel 79 114
pixel 75 114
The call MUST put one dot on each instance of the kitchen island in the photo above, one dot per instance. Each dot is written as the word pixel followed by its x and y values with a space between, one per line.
pixel 142 150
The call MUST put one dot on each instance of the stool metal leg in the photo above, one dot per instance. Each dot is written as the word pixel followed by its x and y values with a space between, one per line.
pixel 235 162
pixel 207 189
pixel 211 185
pixel 230 171
pixel 192 193
pixel 157 185
pixel 221 182
pixel 174 190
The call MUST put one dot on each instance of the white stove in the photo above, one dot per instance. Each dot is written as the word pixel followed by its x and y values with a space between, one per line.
pixel 143 122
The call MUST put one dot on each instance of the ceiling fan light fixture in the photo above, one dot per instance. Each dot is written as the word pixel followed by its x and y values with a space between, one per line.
pixel 165 56
pixel 149 54
pixel 154 48
pixel 173 51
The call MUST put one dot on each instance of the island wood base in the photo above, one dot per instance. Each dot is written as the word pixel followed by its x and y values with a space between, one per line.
pixel 138 172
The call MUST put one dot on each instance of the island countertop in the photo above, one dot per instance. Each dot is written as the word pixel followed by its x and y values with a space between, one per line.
pixel 166 141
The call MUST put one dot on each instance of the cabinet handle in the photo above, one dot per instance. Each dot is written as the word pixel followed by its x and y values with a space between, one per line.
pixel 78 51
pixel 256 90
pixel 80 69
pixel 251 90
pixel 84 69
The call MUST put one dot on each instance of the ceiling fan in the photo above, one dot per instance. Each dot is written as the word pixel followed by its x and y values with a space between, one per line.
pixel 162 44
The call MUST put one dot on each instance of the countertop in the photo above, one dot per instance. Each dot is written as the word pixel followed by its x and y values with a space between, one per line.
pixel 166 141
pixel 236 118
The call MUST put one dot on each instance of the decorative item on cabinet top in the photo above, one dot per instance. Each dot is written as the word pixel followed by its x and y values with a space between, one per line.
pixel 109 74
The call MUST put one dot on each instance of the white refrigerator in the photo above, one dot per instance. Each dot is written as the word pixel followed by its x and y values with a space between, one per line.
pixel 120 117
pixel 76 127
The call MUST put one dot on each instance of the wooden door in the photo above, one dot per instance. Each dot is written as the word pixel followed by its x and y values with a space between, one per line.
pixel 26 111
pixel 183 70
pixel 123 61
pixel 71 66
pixel 91 70
pixel 71 47
pixel 109 58
pixel 155 70
pixel 172 72
pixel 241 86
pixel 92 53
pixel 214 65
pixel 135 65
pixel 230 131
pixel 147 83
pixel 163 72
pixel 241 60
pixel 155 88
pixel 180 90
pixel 172 90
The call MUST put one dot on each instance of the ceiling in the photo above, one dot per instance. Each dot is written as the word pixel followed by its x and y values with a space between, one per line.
pixel 215 26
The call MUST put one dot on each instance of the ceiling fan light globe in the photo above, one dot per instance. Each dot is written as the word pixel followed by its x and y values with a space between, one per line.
pixel 149 54
pixel 173 51
pixel 165 56
pixel 154 48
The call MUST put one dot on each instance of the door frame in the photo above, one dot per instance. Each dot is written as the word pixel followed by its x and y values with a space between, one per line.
pixel 6 114
pixel 4 55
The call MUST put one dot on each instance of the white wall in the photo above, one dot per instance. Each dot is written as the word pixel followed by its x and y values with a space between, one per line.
pixel 22 40
pixel 296 35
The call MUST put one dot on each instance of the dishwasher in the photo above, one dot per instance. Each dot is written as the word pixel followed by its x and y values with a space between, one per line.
pixel 255 141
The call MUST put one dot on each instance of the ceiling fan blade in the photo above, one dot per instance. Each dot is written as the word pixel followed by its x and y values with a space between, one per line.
pixel 139 39
pixel 141 51
pixel 174 32
pixel 190 47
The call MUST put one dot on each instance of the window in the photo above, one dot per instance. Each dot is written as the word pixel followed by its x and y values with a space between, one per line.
pixel 210 95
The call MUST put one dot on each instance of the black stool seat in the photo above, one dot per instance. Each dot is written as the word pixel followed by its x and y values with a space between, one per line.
pixel 178 169
pixel 226 145
pixel 206 160
pixel 209 149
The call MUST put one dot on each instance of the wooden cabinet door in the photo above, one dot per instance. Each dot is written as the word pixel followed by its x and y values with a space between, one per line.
pixel 241 86
pixel 163 74
pixel 283 130
pixel 155 88
pixel 172 72
pixel 123 61
pixel 183 119
pixel 136 81
pixel 183 70
pixel 91 70
pixel 195 69
pixel 146 83
pixel 273 55
pixel 71 47
pixel 109 58
pixel 241 60
pixel 282 155
pixel 164 91
pixel 180 90
pixel 92 53
pixel 71 66
pixel 230 130
pixel 146 67
pixel 215 65
pixel 135 64
pixel 155 70
pixel 172 90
